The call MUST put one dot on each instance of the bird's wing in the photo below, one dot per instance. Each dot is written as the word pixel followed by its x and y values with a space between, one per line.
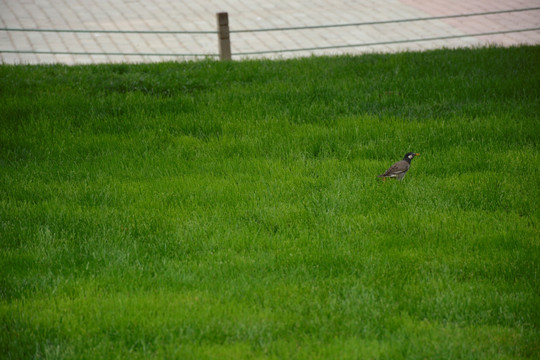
pixel 397 168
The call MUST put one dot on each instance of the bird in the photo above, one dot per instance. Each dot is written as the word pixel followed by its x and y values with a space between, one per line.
pixel 399 169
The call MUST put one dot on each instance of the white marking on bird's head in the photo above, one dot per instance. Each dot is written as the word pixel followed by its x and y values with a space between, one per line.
pixel 411 156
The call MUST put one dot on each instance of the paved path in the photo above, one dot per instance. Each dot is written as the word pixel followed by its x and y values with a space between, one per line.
pixel 199 15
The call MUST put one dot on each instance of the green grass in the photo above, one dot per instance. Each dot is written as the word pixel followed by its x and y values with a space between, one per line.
pixel 231 210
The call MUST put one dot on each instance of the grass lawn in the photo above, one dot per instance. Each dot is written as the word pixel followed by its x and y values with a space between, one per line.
pixel 231 210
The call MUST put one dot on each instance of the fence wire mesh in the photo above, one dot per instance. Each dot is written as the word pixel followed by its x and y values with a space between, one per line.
pixel 260 30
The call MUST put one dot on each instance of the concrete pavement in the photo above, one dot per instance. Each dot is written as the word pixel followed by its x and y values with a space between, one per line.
pixel 193 15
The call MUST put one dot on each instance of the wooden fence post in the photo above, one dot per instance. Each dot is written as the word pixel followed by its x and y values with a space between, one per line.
pixel 223 36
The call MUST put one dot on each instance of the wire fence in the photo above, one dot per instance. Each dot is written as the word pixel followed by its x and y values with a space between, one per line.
pixel 224 32
pixel 391 42
pixel 396 21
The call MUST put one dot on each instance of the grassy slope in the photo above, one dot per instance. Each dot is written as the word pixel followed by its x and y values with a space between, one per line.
pixel 230 210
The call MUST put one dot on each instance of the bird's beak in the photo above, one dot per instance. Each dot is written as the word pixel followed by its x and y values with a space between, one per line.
pixel 417 154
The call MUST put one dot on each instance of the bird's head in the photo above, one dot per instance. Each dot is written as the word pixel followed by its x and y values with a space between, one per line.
pixel 410 156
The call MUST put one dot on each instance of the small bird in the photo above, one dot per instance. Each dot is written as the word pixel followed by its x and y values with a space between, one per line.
pixel 399 169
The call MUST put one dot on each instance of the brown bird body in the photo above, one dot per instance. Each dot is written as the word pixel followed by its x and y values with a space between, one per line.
pixel 399 169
